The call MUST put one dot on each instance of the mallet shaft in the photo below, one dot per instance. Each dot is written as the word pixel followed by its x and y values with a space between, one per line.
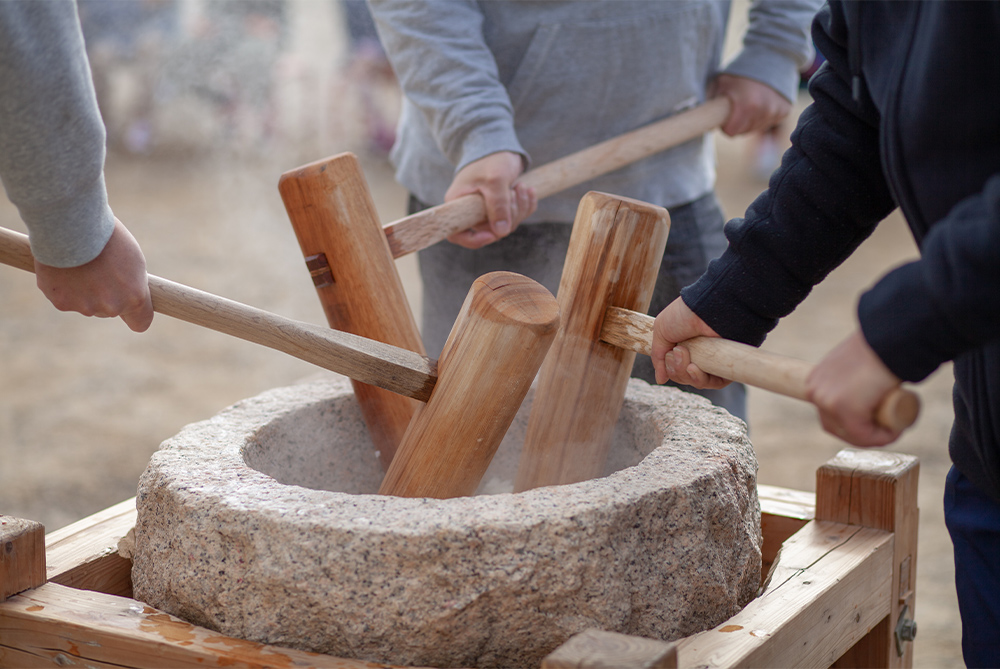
pixel 746 364
pixel 430 226
pixel 390 367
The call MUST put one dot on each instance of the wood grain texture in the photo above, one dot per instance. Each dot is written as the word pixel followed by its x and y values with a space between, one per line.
pixel 878 489
pixel 390 367
pixel 503 331
pixel 830 586
pixel 738 362
pixel 58 626
pixel 430 226
pixel 22 555
pixel 614 254
pixel 332 213
pixel 84 554
pixel 598 649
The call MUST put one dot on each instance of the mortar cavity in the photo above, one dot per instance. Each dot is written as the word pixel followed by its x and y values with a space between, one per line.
pixel 261 523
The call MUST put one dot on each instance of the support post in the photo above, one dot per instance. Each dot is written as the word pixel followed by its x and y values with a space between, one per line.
pixel 877 489
pixel 22 555
pixel 334 217
pixel 613 259
pixel 503 331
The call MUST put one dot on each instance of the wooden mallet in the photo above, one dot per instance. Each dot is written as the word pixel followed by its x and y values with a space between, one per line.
pixel 350 255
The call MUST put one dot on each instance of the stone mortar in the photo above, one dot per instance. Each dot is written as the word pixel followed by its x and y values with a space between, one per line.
pixel 262 523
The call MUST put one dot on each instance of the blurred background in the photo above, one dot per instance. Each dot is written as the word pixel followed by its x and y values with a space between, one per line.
pixel 207 103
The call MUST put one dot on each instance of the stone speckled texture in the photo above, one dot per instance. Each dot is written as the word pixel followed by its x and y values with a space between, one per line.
pixel 261 523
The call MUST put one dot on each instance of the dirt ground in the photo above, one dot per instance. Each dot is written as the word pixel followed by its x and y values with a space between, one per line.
pixel 84 402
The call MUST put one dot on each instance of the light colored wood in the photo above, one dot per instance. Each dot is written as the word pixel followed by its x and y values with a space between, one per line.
pixel 783 512
pixel 333 214
pixel 738 362
pixel 54 625
pixel 84 555
pixel 597 649
pixel 503 331
pixel 430 226
pixel 614 254
pixel 22 555
pixel 391 367
pixel 878 489
pixel 830 587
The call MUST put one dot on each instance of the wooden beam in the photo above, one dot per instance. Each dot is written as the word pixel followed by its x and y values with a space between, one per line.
pixel 783 512
pixel 597 649
pixel 84 554
pixel 22 555
pixel 878 489
pixel 829 588
pixel 58 626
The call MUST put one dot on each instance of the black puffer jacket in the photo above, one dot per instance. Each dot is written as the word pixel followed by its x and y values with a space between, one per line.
pixel 906 112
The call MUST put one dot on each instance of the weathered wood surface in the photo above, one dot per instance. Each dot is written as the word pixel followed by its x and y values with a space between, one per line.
pixel 878 489
pixel 393 368
pixel 830 586
pixel 54 625
pixel 503 331
pixel 22 555
pixel 614 254
pixel 84 554
pixel 433 225
pixel 337 225
pixel 732 360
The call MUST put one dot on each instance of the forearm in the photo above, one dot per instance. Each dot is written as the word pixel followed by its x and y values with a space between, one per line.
pixel 824 200
pixel 51 134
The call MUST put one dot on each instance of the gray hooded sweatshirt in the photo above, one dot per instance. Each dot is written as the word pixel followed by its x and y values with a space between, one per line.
pixel 545 78
pixel 52 139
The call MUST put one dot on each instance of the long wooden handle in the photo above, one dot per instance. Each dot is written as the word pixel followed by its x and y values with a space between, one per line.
pixel 366 360
pixel 430 226
pixel 746 364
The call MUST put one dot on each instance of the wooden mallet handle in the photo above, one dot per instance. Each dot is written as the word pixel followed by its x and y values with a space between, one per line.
pixel 433 225
pixel 372 362
pixel 746 364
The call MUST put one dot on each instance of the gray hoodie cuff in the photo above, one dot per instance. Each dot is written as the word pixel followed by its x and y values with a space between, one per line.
pixel 485 141
pixel 74 231
pixel 768 67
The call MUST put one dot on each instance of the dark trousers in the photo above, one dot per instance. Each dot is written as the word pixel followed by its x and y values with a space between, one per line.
pixel 973 520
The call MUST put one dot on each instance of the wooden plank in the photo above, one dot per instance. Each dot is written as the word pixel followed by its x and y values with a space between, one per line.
pixel 506 325
pixel 22 555
pixel 337 225
pixel 878 489
pixel 830 587
pixel 58 626
pixel 614 254
pixel 597 649
pixel 783 512
pixel 84 554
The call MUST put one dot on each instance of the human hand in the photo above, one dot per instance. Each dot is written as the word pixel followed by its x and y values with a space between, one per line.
pixel 675 324
pixel 112 284
pixel 847 386
pixel 756 106
pixel 507 203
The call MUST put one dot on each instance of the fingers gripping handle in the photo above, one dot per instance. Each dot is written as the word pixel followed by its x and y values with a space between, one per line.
pixel 746 364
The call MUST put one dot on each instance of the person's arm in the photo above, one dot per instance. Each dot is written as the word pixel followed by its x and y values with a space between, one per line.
pixel 824 200
pixel 52 165
pixel 762 79
pixel 446 70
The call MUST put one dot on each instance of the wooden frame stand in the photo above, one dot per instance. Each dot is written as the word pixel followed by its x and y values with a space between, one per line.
pixel 841 567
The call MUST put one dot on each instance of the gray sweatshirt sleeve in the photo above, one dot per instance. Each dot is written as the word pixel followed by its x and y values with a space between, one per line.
pixel 777 44
pixel 447 71
pixel 51 133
